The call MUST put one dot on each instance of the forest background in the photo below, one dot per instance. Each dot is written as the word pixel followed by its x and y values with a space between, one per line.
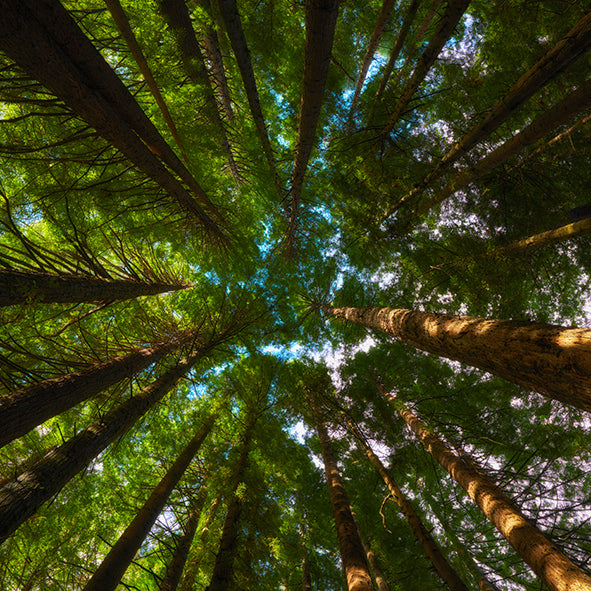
pixel 192 194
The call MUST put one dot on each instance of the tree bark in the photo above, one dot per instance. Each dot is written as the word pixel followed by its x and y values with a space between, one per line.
pixel 126 31
pixel 177 15
pixel 442 567
pixel 113 567
pixel 25 287
pixel 222 578
pixel 564 53
pixel 453 13
pixel 33 48
pixel 26 408
pixel 352 554
pixel 549 359
pixel 576 102
pixel 545 559
pixel 400 39
pixel 321 18
pixel 383 17
pixel 231 17
pixel 372 560
pixel 21 497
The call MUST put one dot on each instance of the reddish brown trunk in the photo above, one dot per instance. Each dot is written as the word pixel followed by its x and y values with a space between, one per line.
pixel 383 17
pixel 26 408
pixel 552 360
pixel 565 52
pixel 222 578
pixel 372 560
pixel 352 554
pixel 22 496
pixel 24 287
pixel 443 568
pixel 453 13
pixel 31 46
pixel 321 18
pixel 116 562
pixel 553 568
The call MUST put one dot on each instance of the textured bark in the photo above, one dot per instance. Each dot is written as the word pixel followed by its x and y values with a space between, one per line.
pixel 229 11
pixel 178 18
pixel 124 27
pixel 442 567
pixel 222 578
pixel 553 360
pixel 400 39
pixel 576 102
pixel 31 45
pixel 21 497
pixel 372 560
pixel 24 287
pixel 572 46
pixel 383 17
pixel 545 559
pixel 352 554
pixel 26 408
pixel 453 13
pixel 321 18
pixel 116 562
pixel 174 570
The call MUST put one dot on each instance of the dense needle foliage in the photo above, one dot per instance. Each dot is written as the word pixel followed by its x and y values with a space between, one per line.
pixel 247 284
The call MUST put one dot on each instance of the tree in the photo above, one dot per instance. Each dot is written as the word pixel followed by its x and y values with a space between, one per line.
pixel 413 166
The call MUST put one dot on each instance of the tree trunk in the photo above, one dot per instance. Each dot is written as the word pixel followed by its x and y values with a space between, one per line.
pixel 453 13
pixel 306 578
pixel 177 16
pixel 229 11
pixel 25 287
pixel 383 17
pixel 222 578
pixel 214 56
pixel 174 570
pixel 32 47
pixel 22 496
pixel 372 560
pixel 26 408
pixel 550 565
pixel 577 101
pixel 126 31
pixel 552 360
pixel 352 554
pixel 443 568
pixel 113 567
pixel 565 52
pixel 400 39
pixel 321 18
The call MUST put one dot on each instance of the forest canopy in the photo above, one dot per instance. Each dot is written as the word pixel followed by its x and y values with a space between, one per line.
pixel 295 295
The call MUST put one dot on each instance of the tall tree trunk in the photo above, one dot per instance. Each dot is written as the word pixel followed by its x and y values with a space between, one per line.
pixel 26 408
pixel 229 11
pixel 442 567
pixel 453 13
pixel 576 102
pixel 222 578
pixel 550 565
pixel 32 47
pixel 565 52
pixel 400 39
pixel 98 75
pixel 177 15
pixel 352 554
pixel 372 559
pixel 113 567
pixel 321 18
pixel 126 31
pixel 22 496
pixel 174 570
pixel 553 360
pixel 383 17
pixel 213 52
pixel 25 287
